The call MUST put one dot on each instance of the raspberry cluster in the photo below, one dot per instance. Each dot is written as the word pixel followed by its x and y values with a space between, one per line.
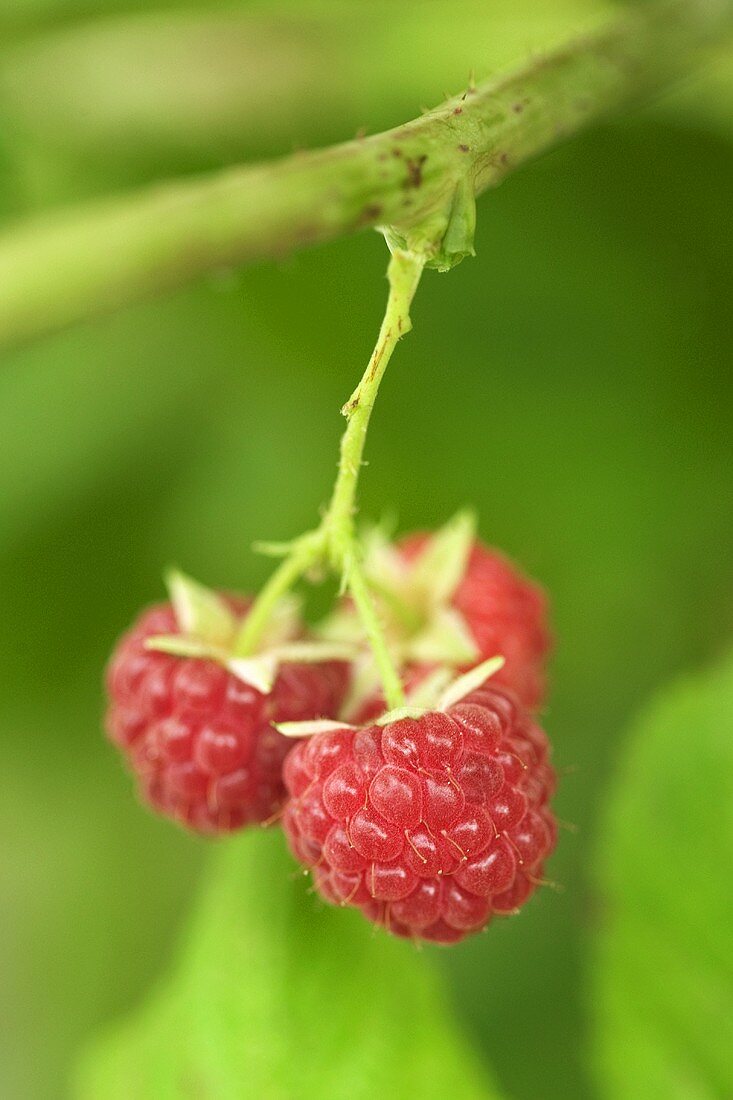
pixel 201 742
pixel 431 825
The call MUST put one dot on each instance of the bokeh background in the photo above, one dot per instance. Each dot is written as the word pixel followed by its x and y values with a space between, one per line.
pixel 573 383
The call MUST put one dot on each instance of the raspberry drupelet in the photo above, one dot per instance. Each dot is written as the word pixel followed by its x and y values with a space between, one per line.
pixel 200 741
pixel 431 825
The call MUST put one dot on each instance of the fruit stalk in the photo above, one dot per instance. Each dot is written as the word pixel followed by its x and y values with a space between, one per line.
pixel 335 541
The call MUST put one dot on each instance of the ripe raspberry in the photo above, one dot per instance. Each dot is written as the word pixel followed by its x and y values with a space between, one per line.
pixel 429 825
pixel 200 740
pixel 505 614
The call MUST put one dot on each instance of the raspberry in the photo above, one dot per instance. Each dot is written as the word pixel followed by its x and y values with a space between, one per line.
pixel 428 825
pixel 505 613
pixel 200 740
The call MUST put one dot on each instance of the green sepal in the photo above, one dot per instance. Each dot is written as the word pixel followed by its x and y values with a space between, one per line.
pixel 311 728
pixel 179 645
pixel 283 626
pixel 446 639
pixel 430 689
pixel 261 671
pixel 365 683
pixel 200 613
pixel 399 713
pixel 442 563
pixel 470 681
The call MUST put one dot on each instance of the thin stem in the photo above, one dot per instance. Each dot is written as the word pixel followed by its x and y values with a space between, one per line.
pixel 335 539
pixel 306 552
pixel 61 269
pixel 358 586
pixel 404 274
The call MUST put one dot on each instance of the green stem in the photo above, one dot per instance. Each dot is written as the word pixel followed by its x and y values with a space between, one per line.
pixel 394 695
pixel 404 274
pixel 306 552
pixel 60 269
pixel 335 539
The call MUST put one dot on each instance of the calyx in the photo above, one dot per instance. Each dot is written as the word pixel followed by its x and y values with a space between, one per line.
pixel 415 597
pixel 209 627
pixel 435 693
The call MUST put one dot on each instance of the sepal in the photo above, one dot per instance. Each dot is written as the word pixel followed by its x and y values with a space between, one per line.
pixel 209 629
pixel 200 612
pixel 446 638
pixel 312 728
pixel 442 563
pixel 470 681
pixel 399 713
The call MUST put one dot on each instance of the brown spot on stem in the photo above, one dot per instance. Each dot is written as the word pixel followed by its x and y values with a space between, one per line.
pixel 374 367
pixel 369 214
pixel 414 171
pixel 464 148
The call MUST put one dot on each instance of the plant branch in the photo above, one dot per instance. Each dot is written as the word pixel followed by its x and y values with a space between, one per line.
pixel 62 269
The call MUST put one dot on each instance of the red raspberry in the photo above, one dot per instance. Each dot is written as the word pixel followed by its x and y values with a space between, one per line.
pixel 505 613
pixel 201 741
pixel 429 825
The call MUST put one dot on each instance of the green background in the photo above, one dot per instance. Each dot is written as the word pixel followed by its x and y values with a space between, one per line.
pixel 572 383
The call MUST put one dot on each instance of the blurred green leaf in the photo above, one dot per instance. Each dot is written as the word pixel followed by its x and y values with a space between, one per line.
pixel 663 994
pixel 280 998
